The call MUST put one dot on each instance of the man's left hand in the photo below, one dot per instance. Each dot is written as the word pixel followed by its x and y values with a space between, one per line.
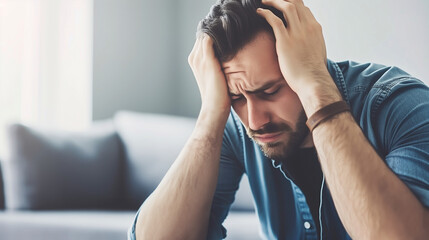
pixel 301 50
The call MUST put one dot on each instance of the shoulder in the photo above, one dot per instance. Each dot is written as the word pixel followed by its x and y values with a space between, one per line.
pixel 366 86
pixel 380 98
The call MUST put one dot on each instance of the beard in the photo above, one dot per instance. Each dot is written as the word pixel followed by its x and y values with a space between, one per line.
pixel 291 139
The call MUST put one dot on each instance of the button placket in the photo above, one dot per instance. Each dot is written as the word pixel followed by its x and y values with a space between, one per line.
pixel 308 222
pixel 307 225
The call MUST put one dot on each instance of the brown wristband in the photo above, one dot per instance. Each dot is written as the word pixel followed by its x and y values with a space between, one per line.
pixel 325 113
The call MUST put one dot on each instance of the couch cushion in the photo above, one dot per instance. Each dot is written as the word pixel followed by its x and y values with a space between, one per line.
pixel 106 225
pixel 151 142
pixel 242 226
pixel 243 197
pixel 48 169
pixel 65 225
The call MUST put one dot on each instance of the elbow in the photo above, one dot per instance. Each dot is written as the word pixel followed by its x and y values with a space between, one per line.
pixel 146 234
pixel 148 230
pixel 411 230
pixel 420 230
pixel 416 228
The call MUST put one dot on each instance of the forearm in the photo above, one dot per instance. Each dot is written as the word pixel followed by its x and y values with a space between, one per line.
pixel 372 202
pixel 179 207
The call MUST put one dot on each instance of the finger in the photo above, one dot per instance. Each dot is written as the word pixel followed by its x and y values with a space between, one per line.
pixel 300 8
pixel 194 48
pixel 288 9
pixel 295 1
pixel 308 15
pixel 192 54
pixel 275 22
pixel 197 52
pixel 207 44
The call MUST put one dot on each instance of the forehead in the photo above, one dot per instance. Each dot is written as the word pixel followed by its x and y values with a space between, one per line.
pixel 253 65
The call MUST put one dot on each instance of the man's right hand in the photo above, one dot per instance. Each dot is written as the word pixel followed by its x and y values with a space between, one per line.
pixel 192 179
pixel 210 78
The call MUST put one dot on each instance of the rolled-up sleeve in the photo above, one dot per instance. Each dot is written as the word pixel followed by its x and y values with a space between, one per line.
pixel 132 231
pixel 403 125
pixel 230 173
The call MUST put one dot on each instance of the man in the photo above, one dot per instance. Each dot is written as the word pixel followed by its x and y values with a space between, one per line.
pixel 331 150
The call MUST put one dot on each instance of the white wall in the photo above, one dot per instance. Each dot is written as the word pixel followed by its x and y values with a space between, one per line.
pixel 134 56
pixel 390 32
pixel 141 47
pixel 191 13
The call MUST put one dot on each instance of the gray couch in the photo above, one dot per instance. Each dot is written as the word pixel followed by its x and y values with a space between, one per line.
pixel 88 185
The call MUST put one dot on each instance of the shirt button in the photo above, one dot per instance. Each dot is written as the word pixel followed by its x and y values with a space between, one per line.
pixel 307 225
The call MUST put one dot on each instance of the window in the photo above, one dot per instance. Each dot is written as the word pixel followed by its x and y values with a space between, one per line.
pixel 46 63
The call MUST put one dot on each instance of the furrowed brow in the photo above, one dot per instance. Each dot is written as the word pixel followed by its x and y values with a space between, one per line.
pixel 264 87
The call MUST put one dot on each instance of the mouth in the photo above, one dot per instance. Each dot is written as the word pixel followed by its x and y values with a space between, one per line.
pixel 268 138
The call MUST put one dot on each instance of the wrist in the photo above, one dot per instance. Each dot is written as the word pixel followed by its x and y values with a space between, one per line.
pixel 212 121
pixel 325 113
pixel 321 92
pixel 214 113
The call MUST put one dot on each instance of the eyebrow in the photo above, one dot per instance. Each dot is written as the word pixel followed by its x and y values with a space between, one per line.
pixel 264 87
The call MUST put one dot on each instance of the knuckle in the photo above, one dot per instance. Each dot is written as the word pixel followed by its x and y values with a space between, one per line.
pixel 317 27
pixel 190 59
pixel 288 7
pixel 314 27
pixel 277 23
pixel 208 39
pixel 205 40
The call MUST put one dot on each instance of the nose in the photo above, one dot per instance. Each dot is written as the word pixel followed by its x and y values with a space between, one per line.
pixel 258 114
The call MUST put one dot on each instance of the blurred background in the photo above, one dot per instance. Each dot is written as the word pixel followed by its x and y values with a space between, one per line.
pixel 65 63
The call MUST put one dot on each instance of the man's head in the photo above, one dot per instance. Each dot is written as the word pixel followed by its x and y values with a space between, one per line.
pixel 232 24
pixel 245 46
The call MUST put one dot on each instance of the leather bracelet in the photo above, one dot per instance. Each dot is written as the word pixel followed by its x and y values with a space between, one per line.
pixel 325 113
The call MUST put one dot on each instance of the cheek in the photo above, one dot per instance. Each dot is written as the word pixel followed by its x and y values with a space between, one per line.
pixel 287 106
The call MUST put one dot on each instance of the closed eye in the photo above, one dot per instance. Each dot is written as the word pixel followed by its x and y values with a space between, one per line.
pixel 236 97
pixel 270 93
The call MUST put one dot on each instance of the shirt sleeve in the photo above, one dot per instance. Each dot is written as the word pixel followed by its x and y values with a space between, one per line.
pixel 404 127
pixel 230 173
pixel 131 235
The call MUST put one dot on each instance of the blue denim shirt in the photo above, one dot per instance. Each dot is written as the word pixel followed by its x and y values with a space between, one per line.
pixel 392 109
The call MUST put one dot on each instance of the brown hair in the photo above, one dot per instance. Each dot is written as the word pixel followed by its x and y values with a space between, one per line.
pixel 232 24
